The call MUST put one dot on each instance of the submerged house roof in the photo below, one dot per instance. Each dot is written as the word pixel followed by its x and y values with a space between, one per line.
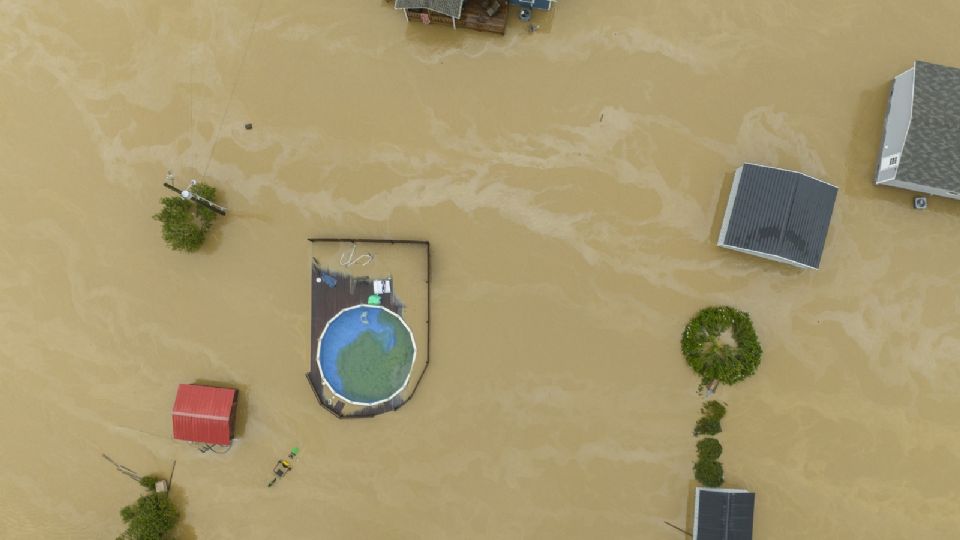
pixel 204 414
pixel 450 8
pixel 723 514
pixel 921 147
pixel 778 214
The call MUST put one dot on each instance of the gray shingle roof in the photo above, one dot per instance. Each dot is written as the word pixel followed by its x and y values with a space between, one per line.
pixel 778 213
pixel 931 154
pixel 724 515
pixel 450 8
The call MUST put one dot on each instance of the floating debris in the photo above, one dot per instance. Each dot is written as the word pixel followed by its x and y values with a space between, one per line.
pixel 284 466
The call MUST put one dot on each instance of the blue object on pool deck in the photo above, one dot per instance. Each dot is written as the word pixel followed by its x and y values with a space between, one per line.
pixel 328 280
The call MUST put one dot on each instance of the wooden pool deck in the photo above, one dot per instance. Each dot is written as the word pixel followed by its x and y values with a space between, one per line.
pixel 405 263
pixel 472 17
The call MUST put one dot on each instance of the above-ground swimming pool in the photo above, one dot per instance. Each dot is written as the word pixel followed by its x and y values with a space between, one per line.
pixel 365 354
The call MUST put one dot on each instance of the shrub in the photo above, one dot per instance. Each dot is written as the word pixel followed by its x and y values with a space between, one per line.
pixel 714 360
pixel 707 426
pixel 714 410
pixel 150 518
pixel 150 482
pixel 708 449
pixel 185 223
pixel 708 472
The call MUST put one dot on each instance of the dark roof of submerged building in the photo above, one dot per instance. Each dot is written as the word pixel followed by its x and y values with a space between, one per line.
pixel 450 8
pixel 778 214
pixel 931 152
pixel 723 514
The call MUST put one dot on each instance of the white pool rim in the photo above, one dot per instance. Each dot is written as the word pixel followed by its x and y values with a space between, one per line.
pixel 413 360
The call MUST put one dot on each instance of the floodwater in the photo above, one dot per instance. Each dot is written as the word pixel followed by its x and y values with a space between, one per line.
pixel 570 183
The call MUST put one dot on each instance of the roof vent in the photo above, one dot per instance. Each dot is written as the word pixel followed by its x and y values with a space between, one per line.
pixel 920 203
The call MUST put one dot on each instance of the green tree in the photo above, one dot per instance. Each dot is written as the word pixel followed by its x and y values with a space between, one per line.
pixel 150 482
pixel 709 449
pixel 714 410
pixel 707 426
pixel 185 223
pixel 708 472
pixel 150 518
pixel 703 347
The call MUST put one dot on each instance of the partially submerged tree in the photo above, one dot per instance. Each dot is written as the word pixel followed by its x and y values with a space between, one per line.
pixel 150 482
pixel 714 410
pixel 709 449
pixel 709 423
pixel 708 472
pixel 707 426
pixel 185 223
pixel 720 343
pixel 152 516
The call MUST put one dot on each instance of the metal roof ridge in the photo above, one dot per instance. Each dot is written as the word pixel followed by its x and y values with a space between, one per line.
pixel 791 171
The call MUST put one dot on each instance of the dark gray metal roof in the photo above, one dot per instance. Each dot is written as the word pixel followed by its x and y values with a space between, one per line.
pixel 724 515
pixel 779 213
pixel 931 154
pixel 450 8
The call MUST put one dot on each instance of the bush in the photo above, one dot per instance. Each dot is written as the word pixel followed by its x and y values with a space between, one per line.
pixel 150 518
pixel 185 223
pixel 708 472
pixel 707 426
pixel 714 360
pixel 150 482
pixel 714 410
pixel 708 449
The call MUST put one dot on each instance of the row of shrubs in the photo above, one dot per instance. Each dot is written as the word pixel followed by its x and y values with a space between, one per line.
pixel 703 346
pixel 708 470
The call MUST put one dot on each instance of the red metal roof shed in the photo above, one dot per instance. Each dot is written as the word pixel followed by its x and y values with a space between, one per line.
pixel 204 414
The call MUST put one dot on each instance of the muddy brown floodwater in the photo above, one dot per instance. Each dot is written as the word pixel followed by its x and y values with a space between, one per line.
pixel 570 183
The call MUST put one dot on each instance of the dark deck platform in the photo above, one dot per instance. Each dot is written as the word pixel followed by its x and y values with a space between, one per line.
pixel 473 17
pixel 351 290
pixel 327 302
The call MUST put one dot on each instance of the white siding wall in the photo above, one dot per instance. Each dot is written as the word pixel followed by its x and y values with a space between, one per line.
pixel 726 215
pixel 896 126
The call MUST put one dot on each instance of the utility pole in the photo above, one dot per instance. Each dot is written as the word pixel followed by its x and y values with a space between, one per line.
pixel 191 196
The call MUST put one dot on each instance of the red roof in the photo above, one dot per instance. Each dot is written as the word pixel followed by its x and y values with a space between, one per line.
pixel 203 414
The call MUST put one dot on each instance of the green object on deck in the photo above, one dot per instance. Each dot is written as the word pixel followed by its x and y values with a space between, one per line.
pixel 294 451
pixel 374 300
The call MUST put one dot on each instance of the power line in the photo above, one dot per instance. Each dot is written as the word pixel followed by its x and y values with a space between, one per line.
pixel 236 82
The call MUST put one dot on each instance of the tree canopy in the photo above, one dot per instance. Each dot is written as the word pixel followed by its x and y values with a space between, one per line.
pixel 186 223
pixel 150 518
pixel 709 356
pixel 709 449
pixel 708 472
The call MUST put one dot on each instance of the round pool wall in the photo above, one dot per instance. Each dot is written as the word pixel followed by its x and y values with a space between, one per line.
pixel 361 357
